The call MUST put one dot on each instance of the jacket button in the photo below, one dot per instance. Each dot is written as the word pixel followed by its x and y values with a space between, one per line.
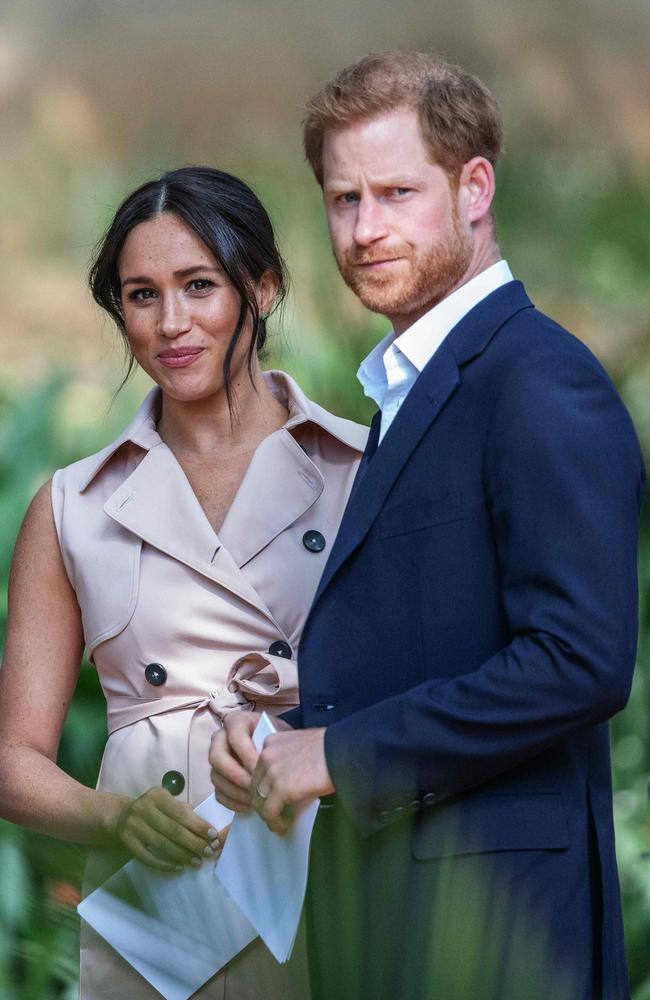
pixel 174 782
pixel 155 674
pixel 313 541
pixel 384 817
pixel 323 706
pixel 430 799
pixel 415 805
pixel 280 648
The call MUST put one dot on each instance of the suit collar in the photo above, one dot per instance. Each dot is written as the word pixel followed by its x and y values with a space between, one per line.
pixel 470 337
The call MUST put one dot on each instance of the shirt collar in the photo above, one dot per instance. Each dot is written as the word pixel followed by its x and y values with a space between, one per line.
pixel 142 429
pixel 421 340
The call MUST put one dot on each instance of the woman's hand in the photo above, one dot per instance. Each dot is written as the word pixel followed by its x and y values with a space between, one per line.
pixel 164 833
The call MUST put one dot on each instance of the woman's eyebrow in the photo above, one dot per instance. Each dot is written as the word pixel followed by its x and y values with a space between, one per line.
pixel 186 271
pixel 143 279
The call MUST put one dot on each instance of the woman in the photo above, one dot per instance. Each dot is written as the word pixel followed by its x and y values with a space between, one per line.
pixel 183 556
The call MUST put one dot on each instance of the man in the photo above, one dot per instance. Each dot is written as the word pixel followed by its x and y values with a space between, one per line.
pixel 475 625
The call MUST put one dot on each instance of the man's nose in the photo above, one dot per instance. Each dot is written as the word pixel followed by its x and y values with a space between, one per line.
pixel 370 223
pixel 175 318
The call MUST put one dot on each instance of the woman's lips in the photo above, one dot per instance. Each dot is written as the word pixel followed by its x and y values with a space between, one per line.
pixel 180 357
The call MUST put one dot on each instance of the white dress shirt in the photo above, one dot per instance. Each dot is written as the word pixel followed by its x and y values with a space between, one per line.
pixel 390 370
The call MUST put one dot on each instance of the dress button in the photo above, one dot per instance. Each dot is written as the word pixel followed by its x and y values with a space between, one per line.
pixel 155 674
pixel 174 782
pixel 314 541
pixel 430 799
pixel 280 648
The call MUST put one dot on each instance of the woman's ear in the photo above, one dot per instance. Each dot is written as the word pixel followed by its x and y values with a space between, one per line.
pixel 267 290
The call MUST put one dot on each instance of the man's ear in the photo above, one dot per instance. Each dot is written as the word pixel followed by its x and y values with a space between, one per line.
pixel 476 187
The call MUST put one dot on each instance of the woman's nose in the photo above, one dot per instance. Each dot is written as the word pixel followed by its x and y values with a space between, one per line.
pixel 175 318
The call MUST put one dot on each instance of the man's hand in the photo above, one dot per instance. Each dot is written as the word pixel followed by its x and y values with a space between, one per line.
pixel 291 768
pixel 233 758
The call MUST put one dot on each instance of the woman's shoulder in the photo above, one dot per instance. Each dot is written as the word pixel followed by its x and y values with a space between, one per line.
pixel 108 462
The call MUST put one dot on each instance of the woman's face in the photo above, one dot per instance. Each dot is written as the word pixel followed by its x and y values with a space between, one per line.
pixel 179 308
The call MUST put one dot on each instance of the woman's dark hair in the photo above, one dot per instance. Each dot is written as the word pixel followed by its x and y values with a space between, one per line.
pixel 232 222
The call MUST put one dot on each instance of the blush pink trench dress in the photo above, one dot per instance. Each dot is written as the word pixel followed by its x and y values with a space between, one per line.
pixel 184 626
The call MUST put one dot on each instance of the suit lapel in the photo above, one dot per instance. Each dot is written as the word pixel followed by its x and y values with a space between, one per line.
pixel 371 448
pixel 157 503
pixel 437 382
pixel 421 407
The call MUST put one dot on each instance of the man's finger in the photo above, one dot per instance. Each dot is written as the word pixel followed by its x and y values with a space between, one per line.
pixel 225 789
pixel 223 761
pixel 243 747
pixel 274 813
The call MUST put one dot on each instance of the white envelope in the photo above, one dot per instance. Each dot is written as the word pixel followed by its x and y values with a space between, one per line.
pixel 176 930
pixel 179 930
pixel 266 874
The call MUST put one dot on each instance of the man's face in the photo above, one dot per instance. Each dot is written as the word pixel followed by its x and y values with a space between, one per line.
pixel 395 223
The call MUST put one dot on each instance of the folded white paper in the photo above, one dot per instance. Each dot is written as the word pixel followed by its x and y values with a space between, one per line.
pixel 266 874
pixel 176 930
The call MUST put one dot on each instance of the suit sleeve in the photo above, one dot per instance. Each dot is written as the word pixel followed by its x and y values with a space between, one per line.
pixel 562 479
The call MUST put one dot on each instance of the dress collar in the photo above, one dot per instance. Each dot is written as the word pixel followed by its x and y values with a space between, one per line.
pixel 143 433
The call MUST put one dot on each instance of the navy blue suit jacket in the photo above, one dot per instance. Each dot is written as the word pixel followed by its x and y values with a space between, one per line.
pixel 475 626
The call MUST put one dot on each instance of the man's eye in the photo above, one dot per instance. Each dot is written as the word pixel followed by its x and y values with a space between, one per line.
pixel 200 285
pixel 401 190
pixel 349 198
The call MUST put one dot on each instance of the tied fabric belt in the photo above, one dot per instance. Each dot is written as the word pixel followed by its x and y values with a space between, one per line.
pixel 255 679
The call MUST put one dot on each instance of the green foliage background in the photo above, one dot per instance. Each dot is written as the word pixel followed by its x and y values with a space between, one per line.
pixel 96 98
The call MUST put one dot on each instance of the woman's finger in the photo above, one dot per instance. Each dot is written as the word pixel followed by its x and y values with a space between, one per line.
pixel 166 847
pixel 183 814
pixel 148 854
pixel 179 835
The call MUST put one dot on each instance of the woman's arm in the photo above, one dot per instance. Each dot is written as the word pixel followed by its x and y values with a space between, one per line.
pixel 38 677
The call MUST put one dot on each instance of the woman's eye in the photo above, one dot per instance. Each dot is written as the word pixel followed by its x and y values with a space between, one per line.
pixel 141 294
pixel 200 285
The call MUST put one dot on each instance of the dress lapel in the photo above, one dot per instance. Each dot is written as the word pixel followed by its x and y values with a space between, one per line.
pixel 280 485
pixel 157 503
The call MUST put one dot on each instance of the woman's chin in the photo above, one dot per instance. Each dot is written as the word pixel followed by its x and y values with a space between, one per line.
pixel 189 390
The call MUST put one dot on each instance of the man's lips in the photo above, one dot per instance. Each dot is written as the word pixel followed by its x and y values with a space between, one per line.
pixel 370 264
pixel 179 357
